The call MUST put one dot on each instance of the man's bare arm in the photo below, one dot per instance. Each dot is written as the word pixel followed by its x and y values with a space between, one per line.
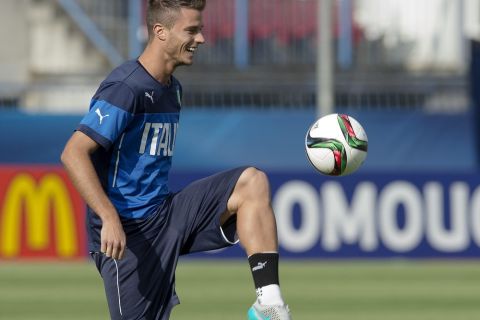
pixel 77 162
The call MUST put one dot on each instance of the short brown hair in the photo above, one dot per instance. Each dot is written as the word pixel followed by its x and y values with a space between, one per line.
pixel 165 11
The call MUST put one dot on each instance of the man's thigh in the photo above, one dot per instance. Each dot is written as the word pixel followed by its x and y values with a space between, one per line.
pixel 141 285
pixel 197 209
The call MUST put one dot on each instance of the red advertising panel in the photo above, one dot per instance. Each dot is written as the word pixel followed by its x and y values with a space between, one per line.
pixel 41 214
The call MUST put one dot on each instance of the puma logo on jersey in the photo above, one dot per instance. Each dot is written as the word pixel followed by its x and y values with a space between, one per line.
pixel 101 117
pixel 149 95
pixel 158 138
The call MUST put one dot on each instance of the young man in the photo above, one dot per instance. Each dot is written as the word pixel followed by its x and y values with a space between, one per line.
pixel 119 158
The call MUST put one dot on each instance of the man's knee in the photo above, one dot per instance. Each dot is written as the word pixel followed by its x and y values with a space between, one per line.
pixel 252 187
pixel 253 183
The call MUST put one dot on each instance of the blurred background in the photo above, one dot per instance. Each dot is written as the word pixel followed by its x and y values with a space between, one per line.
pixel 408 71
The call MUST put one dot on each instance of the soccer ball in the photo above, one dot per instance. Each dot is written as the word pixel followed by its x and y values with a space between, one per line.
pixel 336 144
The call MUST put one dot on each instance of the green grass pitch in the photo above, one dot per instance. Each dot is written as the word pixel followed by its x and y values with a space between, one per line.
pixel 216 289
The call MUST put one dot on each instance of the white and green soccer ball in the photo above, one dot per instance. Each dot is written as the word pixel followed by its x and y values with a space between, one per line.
pixel 336 144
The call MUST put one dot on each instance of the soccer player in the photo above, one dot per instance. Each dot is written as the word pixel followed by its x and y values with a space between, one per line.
pixel 119 158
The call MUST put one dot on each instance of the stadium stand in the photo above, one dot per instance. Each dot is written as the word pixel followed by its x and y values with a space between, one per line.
pixel 73 43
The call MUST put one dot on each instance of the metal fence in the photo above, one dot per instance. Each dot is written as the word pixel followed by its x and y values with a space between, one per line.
pixel 380 34
pixel 111 17
pixel 366 34
pixel 262 53
pixel 387 54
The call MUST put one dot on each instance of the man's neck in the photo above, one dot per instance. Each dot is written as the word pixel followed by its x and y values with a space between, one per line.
pixel 159 69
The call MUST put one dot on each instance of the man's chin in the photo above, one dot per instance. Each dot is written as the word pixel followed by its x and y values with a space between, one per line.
pixel 184 63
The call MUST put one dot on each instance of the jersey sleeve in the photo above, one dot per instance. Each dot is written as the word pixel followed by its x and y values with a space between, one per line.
pixel 111 110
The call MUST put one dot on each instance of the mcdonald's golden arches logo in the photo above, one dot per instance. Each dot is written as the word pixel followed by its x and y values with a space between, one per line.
pixel 41 214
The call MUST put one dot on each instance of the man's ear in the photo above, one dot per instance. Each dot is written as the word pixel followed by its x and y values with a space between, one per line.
pixel 159 31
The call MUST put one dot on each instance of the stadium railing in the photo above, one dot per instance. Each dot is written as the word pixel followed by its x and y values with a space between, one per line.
pixel 282 52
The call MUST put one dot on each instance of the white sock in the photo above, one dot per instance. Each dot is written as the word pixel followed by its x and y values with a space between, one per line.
pixel 270 295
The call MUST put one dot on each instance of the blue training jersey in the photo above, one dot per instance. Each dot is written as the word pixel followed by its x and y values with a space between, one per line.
pixel 135 119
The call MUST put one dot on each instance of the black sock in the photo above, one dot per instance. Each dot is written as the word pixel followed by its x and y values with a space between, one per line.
pixel 264 267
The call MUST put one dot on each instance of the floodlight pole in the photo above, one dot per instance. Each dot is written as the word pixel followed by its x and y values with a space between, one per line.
pixel 325 64
pixel 240 43
pixel 135 46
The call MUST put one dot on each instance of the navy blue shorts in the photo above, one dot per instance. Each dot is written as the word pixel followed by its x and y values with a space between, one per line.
pixel 142 284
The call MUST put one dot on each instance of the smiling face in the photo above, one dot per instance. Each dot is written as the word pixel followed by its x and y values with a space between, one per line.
pixel 184 37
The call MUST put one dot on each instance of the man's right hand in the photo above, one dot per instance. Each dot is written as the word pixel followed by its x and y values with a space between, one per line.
pixel 113 239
